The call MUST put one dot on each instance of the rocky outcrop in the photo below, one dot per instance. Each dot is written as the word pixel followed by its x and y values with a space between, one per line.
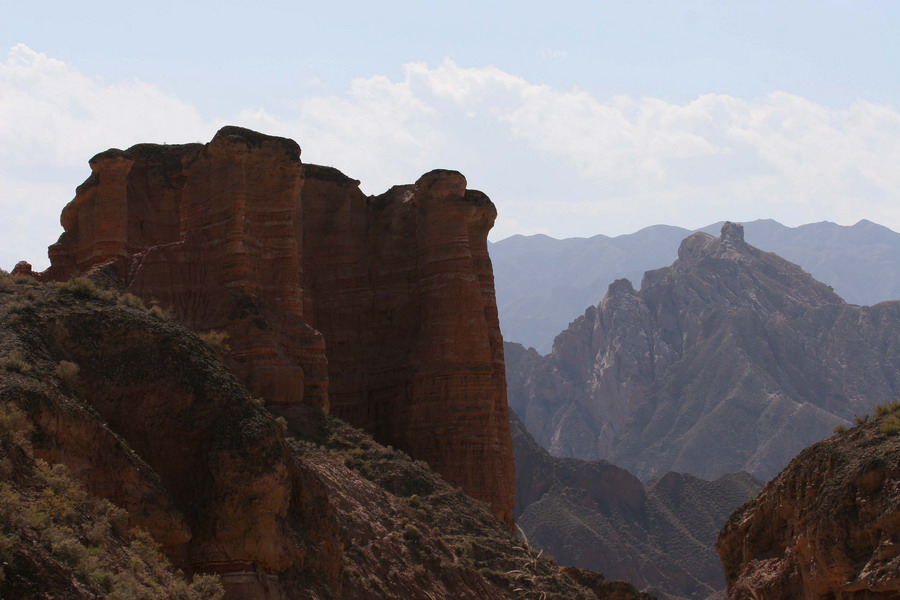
pixel 380 307
pixel 295 504
pixel 731 359
pixel 827 526
pixel 595 515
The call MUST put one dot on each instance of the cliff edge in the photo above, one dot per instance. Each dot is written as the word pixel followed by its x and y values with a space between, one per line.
pixel 380 309
pixel 827 526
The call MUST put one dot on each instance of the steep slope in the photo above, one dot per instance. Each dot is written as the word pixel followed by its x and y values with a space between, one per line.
pixel 145 415
pixel 827 526
pixel 731 359
pixel 58 542
pixel 380 307
pixel 542 283
pixel 595 515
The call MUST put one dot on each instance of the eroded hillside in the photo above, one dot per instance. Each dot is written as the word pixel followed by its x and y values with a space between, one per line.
pixel 146 415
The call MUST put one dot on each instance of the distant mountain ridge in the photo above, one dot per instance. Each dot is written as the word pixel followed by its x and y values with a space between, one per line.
pixel 543 283
pixel 730 359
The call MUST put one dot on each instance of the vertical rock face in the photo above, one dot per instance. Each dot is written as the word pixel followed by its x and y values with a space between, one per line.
pixel 381 308
pixel 827 526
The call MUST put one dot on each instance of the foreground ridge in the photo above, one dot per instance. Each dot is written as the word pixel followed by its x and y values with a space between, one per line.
pixel 279 502
pixel 826 527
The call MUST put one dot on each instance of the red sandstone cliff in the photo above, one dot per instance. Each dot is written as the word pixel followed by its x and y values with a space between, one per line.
pixel 827 526
pixel 381 307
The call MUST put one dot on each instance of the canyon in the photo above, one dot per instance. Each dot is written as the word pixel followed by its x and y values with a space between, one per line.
pixel 302 390
pixel 660 536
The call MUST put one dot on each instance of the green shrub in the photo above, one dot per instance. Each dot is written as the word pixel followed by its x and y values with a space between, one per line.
pixel 67 373
pixel 839 428
pixel 15 428
pixel 164 313
pixel 82 287
pixel 216 339
pixel 890 426
pixel 887 409
pixel 132 301
pixel 15 361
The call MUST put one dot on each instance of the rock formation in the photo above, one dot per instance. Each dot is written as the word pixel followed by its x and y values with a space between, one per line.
pixel 731 359
pixel 595 515
pixel 380 307
pixel 827 526
pixel 300 505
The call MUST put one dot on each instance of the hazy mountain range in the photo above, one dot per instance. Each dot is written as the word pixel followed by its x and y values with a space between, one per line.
pixel 543 283
pixel 730 359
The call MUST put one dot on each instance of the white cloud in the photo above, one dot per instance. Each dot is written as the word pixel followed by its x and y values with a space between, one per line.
pixel 559 161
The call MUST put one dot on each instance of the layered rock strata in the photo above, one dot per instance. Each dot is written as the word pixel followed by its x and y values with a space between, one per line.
pixel 380 307
pixel 731 359
pixel 827 526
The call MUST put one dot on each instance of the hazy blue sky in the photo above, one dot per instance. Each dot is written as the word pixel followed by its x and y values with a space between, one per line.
pixel 575 117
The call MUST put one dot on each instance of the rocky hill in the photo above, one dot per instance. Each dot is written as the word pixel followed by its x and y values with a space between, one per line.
pixel 731 359
pixel 827 526
pixel 593 514
pixel 379 308
pixel 114 417
pixel 543 283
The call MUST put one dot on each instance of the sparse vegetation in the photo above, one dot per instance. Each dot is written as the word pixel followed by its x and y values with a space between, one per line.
pixel 131 300
pixel 890 426
pixel 887 409
pixel 160 311
pixel 216 339
pixel 47 518
pixel 14 425
pixel 67 373
pixel 85 289
pixel 15 361
pixel 841 428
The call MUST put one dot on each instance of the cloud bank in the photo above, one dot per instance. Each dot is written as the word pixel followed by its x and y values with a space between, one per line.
pixel 556 161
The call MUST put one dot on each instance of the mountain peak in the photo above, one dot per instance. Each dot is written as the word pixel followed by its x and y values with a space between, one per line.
pixel 620 286
pixel 732 232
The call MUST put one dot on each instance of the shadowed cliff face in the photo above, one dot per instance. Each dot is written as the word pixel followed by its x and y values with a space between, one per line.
pixel 595 515
pixel 731 359
pixel 827 526
pixel 381 308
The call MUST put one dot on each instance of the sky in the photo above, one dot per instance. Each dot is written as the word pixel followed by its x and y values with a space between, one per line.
pixel 576 118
